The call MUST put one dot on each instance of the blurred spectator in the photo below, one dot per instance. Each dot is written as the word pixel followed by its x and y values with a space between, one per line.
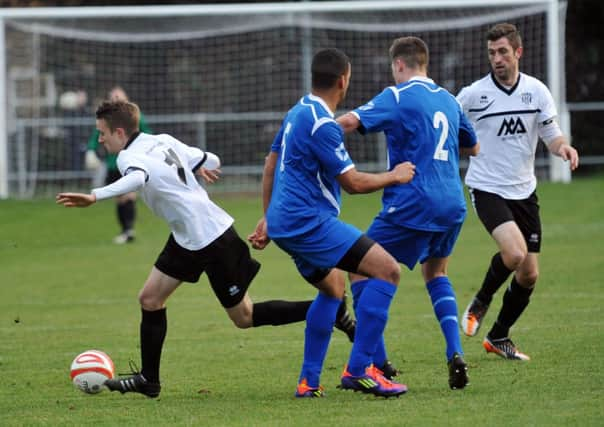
pixel 73 104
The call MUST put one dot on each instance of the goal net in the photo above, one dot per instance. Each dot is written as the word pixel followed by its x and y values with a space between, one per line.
pixel 222 77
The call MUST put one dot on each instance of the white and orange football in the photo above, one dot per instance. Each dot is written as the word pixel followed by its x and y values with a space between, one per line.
pixel 90 370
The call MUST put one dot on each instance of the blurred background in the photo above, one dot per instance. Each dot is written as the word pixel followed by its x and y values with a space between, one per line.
pixel 221 77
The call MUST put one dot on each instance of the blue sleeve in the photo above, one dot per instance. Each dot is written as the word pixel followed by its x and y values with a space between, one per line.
pixel 467 136
pixel 330 150
pixel 379 113
pixel 276 145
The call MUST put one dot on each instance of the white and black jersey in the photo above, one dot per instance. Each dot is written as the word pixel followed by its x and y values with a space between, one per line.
pixel 508 123
pixel 171 190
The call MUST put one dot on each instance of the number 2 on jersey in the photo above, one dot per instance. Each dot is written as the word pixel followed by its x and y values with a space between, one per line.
pixel 440 119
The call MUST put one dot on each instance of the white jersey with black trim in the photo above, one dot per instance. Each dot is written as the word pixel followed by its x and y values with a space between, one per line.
pixel 507 123
pixel 171 189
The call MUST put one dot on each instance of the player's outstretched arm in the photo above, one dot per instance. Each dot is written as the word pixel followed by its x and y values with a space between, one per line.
pixel 355 182
pixel 78 200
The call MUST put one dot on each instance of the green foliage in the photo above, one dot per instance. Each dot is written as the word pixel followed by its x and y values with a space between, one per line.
pixel 66 288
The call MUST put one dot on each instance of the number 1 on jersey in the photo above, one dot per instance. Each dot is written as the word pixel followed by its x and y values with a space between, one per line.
pixel 283 145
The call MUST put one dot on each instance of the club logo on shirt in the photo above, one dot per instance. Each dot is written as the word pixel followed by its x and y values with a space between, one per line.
pixel 511 127
pixel 367 106
pixel 341 152
pixel 526 97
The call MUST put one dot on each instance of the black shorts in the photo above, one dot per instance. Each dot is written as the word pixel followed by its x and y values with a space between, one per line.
pixel 112 176
pixel 349 262
pixel 227 262
pixel 494 210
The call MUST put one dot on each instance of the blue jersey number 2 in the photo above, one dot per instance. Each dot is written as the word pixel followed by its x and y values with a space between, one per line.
pixel 440 119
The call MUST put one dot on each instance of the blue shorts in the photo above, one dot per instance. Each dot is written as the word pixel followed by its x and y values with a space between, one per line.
pixel 320 248
pixel 409 246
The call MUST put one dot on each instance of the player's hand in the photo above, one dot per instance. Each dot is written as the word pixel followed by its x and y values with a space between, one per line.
pixel 209 176
pixel 78 200
pixel 259 238
pixel 569 153
pixel 404 172
pixel 91 161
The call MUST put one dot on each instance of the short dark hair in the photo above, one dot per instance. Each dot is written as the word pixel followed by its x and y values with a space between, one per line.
pixel 509 31
pixel 120 114
pixel 328 65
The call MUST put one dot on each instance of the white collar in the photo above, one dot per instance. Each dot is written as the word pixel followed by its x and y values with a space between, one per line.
pixel 421 79
pixel 322 102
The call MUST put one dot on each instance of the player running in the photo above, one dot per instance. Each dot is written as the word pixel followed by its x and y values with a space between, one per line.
pixel 510 111
pixel 202 235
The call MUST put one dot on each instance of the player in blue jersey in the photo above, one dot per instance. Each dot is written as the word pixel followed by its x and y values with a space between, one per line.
pixel 303 173
pixel 420 221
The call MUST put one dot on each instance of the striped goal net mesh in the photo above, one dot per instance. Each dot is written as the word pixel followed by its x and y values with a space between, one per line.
pixel 221 82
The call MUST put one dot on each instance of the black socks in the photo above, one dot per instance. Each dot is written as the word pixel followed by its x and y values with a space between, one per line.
pixel 278 312
pixel 515 300
pixel 126 214
pixel 153 328
pixel 497 274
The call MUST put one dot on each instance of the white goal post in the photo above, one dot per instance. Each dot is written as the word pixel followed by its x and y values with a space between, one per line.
pixel 222 76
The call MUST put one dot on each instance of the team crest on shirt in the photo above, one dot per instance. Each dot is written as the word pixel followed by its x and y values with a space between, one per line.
pixel 341 152
pixel 367 106
pixel 526 98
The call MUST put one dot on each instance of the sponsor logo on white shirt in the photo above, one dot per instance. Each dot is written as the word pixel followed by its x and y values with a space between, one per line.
pixel 511 126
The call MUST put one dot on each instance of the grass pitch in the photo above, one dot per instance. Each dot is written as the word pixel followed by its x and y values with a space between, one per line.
pixel 65 288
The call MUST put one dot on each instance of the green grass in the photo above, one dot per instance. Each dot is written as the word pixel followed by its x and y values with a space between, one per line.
pixel 65 288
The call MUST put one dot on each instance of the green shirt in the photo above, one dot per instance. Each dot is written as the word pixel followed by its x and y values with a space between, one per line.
pixel 111 159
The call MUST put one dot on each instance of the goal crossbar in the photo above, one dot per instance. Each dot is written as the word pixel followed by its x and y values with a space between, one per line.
pixel 308 17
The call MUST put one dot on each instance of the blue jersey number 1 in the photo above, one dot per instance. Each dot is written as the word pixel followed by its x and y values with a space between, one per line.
pixel 288 127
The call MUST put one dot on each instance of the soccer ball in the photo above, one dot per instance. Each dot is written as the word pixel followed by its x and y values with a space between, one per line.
pixel 90 369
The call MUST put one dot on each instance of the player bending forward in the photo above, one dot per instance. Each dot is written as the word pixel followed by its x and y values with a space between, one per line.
pixel 202 236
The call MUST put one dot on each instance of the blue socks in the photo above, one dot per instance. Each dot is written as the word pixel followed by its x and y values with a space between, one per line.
pixel 371 301
pixel 380 356
pixel 320 318
pixel 372 298
pixel 445 308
